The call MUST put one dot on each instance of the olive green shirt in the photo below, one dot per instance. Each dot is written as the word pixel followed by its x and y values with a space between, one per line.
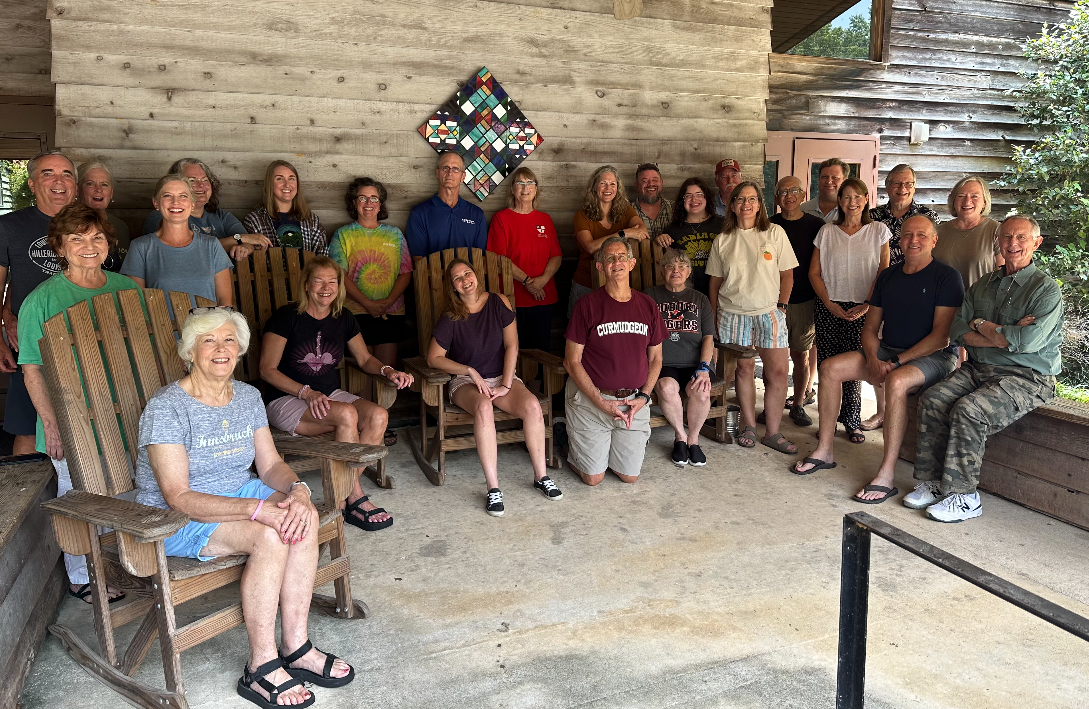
pixel 1004 300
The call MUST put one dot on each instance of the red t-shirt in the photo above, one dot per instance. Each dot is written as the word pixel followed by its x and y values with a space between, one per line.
pixel 529 240
pixel 616 337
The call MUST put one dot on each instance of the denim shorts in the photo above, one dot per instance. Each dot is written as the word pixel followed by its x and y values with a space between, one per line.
pixel 190 539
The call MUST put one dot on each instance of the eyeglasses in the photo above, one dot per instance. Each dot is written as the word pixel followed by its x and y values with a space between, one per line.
pixel 675 266
pixel 373 199
pixel 746 200
pixel 788 193
pixel 195 181
pixel 616 258
pixel 525 183
pixel 211 309
pixel 451 168
pixel 908 185
pixel 694 197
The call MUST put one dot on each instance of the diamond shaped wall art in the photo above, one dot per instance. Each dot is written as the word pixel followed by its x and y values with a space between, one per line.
pixel 482 125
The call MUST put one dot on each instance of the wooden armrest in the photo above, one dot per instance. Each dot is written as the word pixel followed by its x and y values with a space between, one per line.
pixel 357 453
pixel 377 379
pixel 147 524
pixel 417 366
pixel 546 358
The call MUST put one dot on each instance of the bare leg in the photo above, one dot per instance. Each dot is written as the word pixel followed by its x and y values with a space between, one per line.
pixel 470 399
pixel 699 404
pixel 626 478
pixel 523 404
pixel 669 399
pixel 745 387
pixel 23 445
pixel 802 375
pixel 812 365
pixel 898 385
pixel 590 480
pixel 835 370
pixel 878 419
pixel 776 373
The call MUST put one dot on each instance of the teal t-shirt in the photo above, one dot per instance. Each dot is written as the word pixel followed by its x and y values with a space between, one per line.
pixel 52 296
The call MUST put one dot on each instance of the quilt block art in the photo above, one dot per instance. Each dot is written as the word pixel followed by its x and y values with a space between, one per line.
pixel 482 125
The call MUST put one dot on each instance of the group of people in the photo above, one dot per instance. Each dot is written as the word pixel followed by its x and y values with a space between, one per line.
pixel 886 295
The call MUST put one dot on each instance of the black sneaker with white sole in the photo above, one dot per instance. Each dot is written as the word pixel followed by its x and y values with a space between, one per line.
pixel 680 454
pixel 696 456
pixel 495 502
pixel 548 488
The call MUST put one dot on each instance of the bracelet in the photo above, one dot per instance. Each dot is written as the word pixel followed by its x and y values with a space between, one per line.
pixel 304 388
pixel 525 280
pixel 382 371
pixel 300 482
pixel 259 505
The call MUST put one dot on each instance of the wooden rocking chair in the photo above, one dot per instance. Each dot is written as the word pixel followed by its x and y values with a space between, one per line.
pixel 453 427
pixel 262 285
pixel 133 357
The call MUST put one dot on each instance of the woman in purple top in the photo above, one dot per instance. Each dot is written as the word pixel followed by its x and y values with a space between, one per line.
pixel 476 340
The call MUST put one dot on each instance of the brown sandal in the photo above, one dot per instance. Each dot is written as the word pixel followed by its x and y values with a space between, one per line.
pixel 780 443
pixel 747 434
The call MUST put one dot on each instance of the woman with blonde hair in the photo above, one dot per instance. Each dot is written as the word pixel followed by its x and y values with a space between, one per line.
pixel 96 189
pixel 476 340
pixel 969 242
pixel 284 216
pixel 528 237
pixel 605 211
pixel 303 345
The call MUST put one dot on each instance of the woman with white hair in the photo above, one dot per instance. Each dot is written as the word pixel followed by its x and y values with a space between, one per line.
pixel 96 191
pixel 199 437
pixel 969 242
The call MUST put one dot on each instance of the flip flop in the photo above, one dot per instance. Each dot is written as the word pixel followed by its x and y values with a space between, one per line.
pixel 856 437
pixel 389 438
pixel 889 492
pixel 870 427
pixel 750 437
pixel 817 464
pixel 365 524
pixel 780 443
pixel 83 593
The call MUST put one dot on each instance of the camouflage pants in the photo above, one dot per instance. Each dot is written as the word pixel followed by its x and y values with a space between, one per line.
pixel 957 414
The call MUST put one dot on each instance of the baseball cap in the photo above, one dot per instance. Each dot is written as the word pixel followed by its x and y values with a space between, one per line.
pixel 727 164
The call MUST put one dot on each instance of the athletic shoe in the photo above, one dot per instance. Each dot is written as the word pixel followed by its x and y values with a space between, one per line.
pixel 799 416
pixel 696 456
pixel 548 488
pixel 956 507
pixel 680 454
pixel 925 494
pixel 495 502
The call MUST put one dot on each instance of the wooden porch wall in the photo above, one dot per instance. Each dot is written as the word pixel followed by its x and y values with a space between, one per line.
pixel 950 63
pixel 24 59
pixel 340 88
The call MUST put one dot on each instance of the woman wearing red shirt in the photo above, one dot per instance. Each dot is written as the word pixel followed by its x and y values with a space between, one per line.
pixel 528 238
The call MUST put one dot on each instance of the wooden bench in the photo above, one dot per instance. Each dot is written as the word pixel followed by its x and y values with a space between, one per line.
pixel 1040 461
pixel 125 357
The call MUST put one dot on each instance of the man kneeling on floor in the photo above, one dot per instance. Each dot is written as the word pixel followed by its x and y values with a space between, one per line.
pixel 916 300
pixel 1011 325
pixel 613 357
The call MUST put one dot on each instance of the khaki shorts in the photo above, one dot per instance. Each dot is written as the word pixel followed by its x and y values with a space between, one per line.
pixel 597 442
pixel 801 330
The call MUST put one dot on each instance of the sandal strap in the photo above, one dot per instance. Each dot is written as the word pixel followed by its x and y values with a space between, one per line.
pixel 327 671
pixel 305 648
pixel 355 506
pixel 82 592
pixel 372 513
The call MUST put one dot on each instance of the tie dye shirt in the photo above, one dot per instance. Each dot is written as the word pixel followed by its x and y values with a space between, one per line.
pixel 373 258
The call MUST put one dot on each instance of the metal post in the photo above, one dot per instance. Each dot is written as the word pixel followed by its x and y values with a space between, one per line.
pixel 854 592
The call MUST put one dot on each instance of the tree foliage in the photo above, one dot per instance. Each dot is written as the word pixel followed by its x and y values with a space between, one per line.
pixel 21 196
pixel 850 42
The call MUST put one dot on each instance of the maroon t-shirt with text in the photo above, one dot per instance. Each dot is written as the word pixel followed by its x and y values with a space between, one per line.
pixel 616 336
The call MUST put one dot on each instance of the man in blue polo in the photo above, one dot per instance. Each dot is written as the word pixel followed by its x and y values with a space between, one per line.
pixel 446 221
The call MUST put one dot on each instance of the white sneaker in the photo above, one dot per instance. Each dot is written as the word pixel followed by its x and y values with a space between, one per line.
pixel 956 508
pixel 925 494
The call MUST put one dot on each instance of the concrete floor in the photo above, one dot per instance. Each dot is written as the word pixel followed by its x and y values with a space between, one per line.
pixel 712 587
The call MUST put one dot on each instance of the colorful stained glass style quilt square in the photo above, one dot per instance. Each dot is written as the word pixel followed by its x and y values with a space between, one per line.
pixel 482 125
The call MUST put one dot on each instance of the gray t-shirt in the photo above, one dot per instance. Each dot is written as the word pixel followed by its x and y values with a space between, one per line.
pixel 25 253
pixel 219 440
pixel 189 269
pixel 689 318
pixel 219 224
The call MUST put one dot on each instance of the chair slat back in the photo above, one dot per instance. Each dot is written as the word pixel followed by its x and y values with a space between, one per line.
pixel 646 273
pixel 264 282
pixel 102 361
pixel 496 271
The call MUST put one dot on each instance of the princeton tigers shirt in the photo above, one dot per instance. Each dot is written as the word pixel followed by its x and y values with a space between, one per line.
pixel 615 337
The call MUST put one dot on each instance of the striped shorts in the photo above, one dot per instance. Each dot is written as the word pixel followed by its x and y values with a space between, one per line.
pixel 767 331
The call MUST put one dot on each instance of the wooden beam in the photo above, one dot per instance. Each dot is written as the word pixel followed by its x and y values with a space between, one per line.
pixel 627 9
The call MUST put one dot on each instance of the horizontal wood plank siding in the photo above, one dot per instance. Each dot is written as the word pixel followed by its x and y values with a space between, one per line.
pixel 141 84
pixel 950 64
pixel 24 49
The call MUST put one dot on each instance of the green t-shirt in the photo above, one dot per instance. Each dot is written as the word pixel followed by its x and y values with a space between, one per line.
pixel 52 296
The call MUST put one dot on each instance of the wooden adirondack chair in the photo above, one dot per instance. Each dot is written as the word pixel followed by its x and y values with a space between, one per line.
pixel 646 273
pixel 133 357
pixel 262 284
pixel 453 426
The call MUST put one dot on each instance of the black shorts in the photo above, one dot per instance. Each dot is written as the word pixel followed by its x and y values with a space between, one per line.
pixel 377 331
pixel 683 375
pixel 20 417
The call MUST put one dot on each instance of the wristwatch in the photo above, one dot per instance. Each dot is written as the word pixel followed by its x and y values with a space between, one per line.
pixel 895 359
pixel 238 238
pixel 620 233
pixel 525 280
pixel 644 396
pixel 781 306
pixel 974 324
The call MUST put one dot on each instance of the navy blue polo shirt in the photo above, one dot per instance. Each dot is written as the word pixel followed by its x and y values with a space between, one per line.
pixel 434 226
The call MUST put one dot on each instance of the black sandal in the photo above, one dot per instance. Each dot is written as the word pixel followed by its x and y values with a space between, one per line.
pixel 83 593
pixel 389 438
pixel 274 690
pixel 856 436
pixel 365 524
pixel 324 679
